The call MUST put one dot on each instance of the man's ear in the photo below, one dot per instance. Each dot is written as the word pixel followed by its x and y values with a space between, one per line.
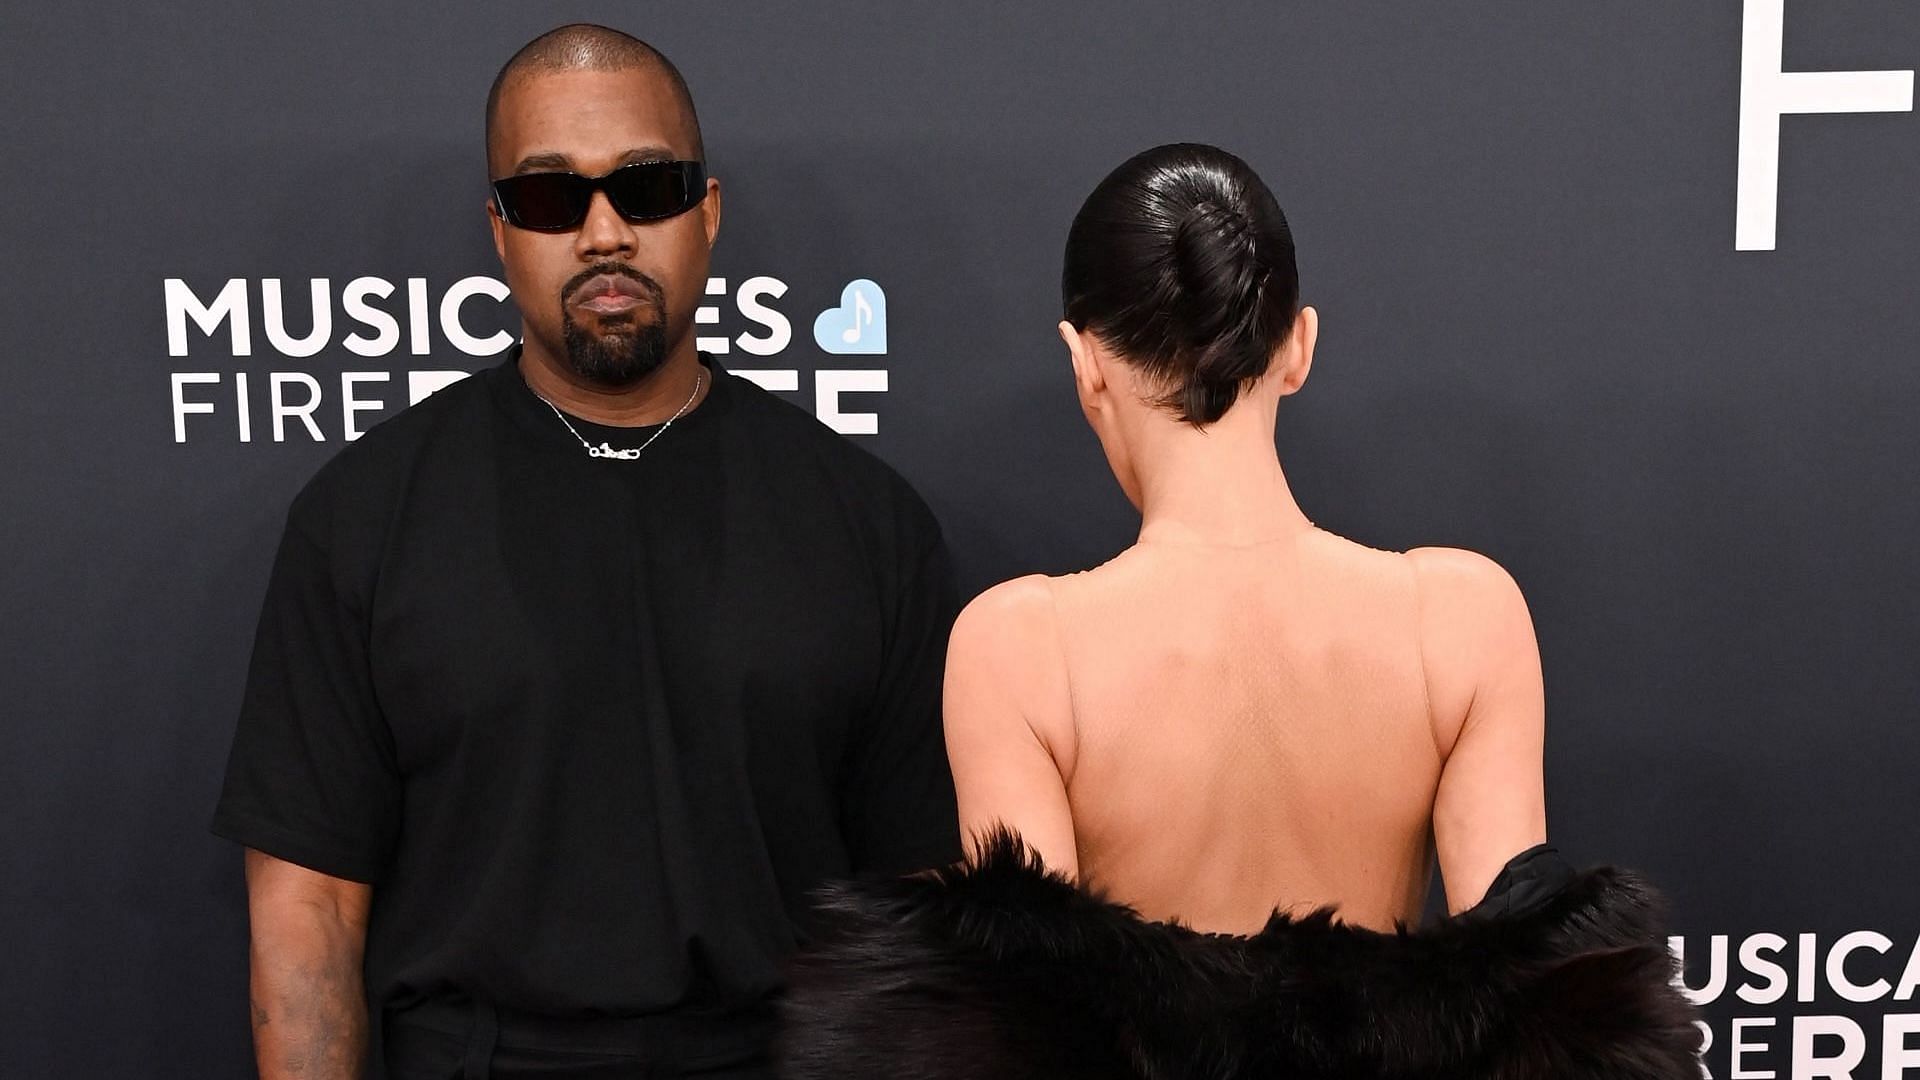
pixel 499 227
pixel 1089 376
pixel 710 210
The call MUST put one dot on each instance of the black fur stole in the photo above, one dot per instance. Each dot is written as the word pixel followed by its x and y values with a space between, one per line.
pixel 1001 971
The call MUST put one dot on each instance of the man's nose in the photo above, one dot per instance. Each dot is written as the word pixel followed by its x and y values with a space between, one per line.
pixel 604 233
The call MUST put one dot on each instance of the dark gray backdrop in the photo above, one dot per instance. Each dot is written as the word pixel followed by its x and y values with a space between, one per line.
pixel 1517 220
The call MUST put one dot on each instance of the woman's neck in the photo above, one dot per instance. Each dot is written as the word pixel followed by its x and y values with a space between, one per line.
pixel 1221 485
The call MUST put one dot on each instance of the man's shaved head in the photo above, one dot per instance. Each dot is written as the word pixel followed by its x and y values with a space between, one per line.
pixel 587 47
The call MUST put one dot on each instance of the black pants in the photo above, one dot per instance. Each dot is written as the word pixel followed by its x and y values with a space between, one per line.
pixel 476 1042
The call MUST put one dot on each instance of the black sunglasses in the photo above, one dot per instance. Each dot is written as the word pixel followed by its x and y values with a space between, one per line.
pixel 558 201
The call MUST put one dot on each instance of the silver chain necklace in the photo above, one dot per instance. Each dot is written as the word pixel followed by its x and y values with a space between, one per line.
pixel 628 454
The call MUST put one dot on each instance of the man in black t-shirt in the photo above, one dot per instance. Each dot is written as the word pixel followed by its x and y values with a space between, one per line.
pixel 574 679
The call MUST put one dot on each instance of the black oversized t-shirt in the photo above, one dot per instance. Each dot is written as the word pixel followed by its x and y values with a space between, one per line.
pixel 594 728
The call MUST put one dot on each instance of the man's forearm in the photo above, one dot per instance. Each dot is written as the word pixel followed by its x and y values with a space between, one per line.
pixel 309 1005
pixel 309 1002
pixel 309 999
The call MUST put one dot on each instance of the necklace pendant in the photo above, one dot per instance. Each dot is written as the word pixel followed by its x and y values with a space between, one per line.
pixel 606 450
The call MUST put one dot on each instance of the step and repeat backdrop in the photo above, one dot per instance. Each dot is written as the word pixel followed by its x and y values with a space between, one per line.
pixel 1625 295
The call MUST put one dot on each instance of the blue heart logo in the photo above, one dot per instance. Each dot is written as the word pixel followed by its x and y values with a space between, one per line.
pixel 858 327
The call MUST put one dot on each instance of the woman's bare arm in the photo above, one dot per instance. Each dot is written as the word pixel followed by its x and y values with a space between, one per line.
pixel 1489 713
pixel 1008 721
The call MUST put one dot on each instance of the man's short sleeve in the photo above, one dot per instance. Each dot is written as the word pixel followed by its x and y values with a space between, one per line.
pixel 898 810
pixel 311 777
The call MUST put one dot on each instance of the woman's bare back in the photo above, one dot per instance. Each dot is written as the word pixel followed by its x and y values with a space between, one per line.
pixel 1251 729
pixel 1211 732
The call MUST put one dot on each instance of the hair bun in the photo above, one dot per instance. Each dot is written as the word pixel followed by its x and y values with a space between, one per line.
pixel 1182 262
pixel 1217 270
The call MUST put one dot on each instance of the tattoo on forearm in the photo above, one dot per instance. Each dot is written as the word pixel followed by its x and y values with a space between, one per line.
pixel 312 1024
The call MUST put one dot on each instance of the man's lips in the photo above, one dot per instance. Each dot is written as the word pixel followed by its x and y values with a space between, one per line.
pixel 606 294
pixel 608 303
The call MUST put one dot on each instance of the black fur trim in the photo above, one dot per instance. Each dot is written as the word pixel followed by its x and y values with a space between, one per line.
pixel 1002 971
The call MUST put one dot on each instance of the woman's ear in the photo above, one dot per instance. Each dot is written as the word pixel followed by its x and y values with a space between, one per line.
pixel 1089 378
pixel 1301 339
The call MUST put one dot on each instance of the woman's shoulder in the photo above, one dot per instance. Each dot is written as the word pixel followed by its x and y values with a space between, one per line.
pixel 1475 633
pixel 1471 609
pixel 1018 612
pixel 1463 574
pixel 1026 613
pixel 1009 632
pixel 1464 601
pixel 1006 650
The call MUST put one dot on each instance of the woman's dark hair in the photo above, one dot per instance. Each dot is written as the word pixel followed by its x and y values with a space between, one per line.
pixel 1182 263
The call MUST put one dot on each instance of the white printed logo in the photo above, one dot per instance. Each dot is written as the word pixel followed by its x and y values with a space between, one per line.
pixel 382 319
pixel 829 384
pixel 1767 93
pixel 1864 967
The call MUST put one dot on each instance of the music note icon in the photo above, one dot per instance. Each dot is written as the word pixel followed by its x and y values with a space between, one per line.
pixel 862 316
pixel 857 325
